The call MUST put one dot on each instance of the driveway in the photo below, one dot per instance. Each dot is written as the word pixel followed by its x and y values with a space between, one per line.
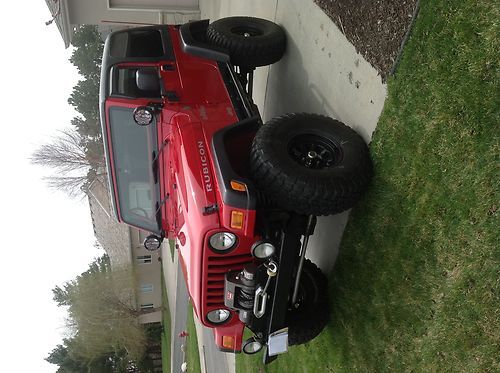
pixel 321 72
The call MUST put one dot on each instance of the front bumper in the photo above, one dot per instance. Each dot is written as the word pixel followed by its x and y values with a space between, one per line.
pixel 274 318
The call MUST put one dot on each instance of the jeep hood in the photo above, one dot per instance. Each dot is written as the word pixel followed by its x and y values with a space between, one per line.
pixel 194 192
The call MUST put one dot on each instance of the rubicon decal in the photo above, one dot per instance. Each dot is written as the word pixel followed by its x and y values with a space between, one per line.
pixel 207 180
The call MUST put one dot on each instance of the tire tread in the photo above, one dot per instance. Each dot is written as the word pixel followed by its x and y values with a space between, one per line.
pixel 317 197
pixel 252 52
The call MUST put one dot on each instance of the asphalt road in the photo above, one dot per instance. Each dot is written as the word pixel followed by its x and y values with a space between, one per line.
pixel 215 361
pixel 179 321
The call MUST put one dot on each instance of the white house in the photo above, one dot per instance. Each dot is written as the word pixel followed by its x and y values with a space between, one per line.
pixel 123 245
pixel 108 14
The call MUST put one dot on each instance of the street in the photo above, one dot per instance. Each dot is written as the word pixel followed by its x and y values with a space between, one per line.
pixel 179 322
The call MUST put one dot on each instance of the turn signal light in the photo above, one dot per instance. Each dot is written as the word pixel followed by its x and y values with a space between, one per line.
pixel 237 218
pixel 239 187
pixel 228 342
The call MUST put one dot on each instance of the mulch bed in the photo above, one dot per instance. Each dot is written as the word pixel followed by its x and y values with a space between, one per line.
pixel 376 28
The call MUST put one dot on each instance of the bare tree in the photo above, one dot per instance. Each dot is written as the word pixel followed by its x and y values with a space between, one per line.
pixel 77 165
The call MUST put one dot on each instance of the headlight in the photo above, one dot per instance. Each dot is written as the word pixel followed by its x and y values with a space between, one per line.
pixel 222 241
pixel 218 316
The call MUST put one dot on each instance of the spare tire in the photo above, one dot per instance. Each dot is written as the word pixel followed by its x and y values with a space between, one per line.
pixel 310 164
pixel 251 42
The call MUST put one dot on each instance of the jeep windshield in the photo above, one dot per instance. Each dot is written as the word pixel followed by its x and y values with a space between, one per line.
pixel 132 156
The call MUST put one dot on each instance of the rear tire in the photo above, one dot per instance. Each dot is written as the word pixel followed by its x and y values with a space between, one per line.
pixel 311 316
pixel 251 42
pixel 310 164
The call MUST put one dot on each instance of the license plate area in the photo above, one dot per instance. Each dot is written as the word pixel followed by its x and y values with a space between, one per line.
pixel 278 342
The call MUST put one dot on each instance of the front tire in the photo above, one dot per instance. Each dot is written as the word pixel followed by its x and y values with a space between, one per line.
pixel 251 42
pixel 310 164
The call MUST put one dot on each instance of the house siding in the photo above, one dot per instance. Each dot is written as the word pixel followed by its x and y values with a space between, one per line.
pixel 123 245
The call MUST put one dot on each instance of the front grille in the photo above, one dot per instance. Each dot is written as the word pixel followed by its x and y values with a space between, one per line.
pixel 218 266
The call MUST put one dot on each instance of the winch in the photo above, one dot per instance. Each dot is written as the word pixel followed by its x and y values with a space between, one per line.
pixel 242 292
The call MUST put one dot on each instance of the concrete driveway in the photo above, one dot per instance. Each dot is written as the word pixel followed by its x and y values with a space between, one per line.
pixel 321 72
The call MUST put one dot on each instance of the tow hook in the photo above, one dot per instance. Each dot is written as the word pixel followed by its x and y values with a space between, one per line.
pixel 259 306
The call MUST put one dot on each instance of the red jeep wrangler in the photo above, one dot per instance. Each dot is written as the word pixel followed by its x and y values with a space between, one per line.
pixel 189 158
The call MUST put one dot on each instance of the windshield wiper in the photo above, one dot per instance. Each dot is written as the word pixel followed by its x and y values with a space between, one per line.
pixel 156 155
pixel 158 207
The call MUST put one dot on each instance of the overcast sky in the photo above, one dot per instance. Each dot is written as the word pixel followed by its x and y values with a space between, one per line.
pixel 47 237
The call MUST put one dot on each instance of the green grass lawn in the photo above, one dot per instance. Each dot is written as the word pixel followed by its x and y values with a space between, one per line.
pixel 193 356
pixel 415 287
pixel 166 335
pixel 171 246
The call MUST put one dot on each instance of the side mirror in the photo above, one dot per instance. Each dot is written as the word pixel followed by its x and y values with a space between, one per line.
pixel 147 80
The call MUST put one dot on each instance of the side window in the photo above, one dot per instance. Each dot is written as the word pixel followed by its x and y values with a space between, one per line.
pixel 124 83
pixel 145 43
pixel 137 43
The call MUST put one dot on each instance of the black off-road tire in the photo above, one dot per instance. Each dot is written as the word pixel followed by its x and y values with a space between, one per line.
pixel 282 173
pixel 310 318
pixel 264 44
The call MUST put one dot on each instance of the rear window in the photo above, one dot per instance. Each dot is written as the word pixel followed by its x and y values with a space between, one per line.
pixel 137 43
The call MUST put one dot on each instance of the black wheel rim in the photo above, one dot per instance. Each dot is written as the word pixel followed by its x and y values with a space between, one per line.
pixel 315 152
pixel 246 31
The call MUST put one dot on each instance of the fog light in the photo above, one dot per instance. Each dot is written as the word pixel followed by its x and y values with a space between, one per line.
pixel 152 242
pixel 263 249
pixel 143 115
pixel 251 346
